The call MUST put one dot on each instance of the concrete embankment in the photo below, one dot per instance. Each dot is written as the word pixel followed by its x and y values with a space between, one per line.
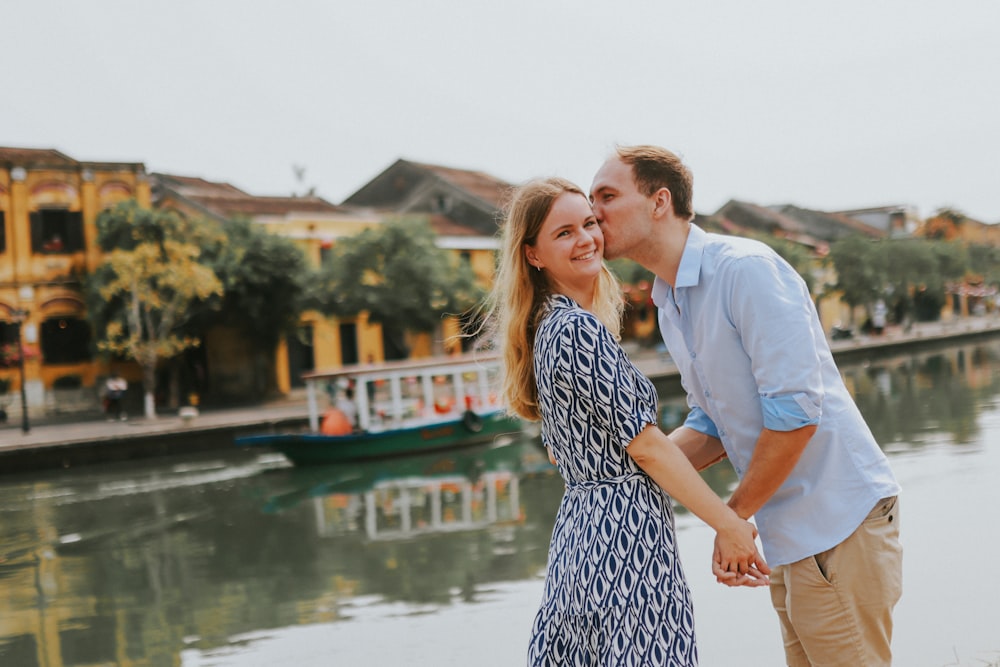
pixel 54 446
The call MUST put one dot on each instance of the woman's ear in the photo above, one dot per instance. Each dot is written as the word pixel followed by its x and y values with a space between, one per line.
pixel 529 254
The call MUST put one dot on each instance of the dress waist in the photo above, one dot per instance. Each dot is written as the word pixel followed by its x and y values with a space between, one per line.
pixel 591 484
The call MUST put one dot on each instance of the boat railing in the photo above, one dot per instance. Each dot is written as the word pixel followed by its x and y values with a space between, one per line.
pixel 404 394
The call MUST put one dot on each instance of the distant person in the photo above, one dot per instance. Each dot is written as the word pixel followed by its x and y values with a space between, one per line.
pixel 763 390
pixel 879 313
pixel 114 393
pixel 345 403
pixel 615 592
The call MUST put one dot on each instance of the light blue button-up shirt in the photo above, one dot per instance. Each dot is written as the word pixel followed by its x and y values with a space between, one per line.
pixel 742 328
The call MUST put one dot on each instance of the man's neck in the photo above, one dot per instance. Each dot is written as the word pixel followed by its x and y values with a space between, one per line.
pixel 662 254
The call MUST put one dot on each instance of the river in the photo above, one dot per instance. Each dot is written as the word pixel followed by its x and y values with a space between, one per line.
pixel 238 560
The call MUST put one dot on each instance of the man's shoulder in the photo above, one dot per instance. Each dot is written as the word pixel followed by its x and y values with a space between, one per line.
pixel 736 247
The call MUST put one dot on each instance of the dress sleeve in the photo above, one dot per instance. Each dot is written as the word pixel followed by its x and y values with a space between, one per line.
pixel 594 377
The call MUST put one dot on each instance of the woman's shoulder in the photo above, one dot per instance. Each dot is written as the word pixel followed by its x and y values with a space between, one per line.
pixel 562 312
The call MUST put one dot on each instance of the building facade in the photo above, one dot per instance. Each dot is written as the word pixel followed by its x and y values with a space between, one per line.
pixel 49 203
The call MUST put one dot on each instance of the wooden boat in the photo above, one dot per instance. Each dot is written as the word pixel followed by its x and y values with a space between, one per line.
pixel 402 407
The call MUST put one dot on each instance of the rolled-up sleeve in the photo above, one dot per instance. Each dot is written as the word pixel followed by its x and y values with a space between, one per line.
pixel 699 421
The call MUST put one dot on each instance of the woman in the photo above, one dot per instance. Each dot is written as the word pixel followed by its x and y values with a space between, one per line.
pixel 614 589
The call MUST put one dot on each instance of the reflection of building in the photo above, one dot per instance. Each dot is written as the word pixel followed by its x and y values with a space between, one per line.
pixel 49 204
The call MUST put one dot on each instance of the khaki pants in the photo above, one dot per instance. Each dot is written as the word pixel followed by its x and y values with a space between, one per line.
pixel 836 607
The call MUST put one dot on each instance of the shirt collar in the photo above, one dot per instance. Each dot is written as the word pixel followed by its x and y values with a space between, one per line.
pixel 689 269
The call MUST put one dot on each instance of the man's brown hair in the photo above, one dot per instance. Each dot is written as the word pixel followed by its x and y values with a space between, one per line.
pixel 654 168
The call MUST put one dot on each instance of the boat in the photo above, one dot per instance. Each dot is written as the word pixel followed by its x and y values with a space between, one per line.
pixel 401 407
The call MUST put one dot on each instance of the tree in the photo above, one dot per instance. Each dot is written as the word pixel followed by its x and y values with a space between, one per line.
pixel 860 270
pixel 914 278
pixel 149 285
pixel 264 277
pixel 399 276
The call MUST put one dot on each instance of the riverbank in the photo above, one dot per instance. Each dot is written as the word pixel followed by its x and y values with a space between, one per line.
pixel 69 444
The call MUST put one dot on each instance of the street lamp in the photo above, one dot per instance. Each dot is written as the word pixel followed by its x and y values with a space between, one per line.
pixel 19 316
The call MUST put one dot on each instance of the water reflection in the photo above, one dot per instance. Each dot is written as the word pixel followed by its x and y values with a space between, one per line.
pixel 928 397
pixel 137 564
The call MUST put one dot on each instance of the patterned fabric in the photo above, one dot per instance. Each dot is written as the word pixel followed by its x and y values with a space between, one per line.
pixel 615 593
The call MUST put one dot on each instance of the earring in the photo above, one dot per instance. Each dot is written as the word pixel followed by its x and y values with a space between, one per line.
pixel 539 268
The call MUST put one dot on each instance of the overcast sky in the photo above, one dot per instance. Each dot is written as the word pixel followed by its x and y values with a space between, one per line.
pixel 825 105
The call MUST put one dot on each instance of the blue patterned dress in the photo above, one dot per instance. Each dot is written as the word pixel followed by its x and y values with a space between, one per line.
pixel 615 593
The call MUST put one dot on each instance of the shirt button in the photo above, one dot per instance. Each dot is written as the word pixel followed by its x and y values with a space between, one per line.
pixel 693 355
pixel 708 393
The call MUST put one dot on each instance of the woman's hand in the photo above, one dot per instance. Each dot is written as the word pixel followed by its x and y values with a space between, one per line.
pixel 735 559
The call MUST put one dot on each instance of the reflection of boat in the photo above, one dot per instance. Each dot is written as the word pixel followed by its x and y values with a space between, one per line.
pixel 464 489
pixel 402 407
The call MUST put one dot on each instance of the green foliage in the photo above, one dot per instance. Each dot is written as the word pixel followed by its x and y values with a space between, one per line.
pixel 629 272
pixel 149 285
pixel 264 278
pixel 860 269
pixel 128 225
pixel 984 263
pixel 911 273
pixel 398 275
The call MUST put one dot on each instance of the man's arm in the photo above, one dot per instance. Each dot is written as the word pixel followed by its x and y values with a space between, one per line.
pixel 774 457
pixel 702 450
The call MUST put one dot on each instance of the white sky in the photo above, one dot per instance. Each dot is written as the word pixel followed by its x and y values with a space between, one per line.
pixel 824 105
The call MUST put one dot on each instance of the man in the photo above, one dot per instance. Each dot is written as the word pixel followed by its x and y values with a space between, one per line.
pixel 764 390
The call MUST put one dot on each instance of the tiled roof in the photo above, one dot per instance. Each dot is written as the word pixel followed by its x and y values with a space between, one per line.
pixel 755 218
pixel 226 201
pixel 829 226
pixel 34 157
pixel 445 226
pixel 481 185
pixel 193 186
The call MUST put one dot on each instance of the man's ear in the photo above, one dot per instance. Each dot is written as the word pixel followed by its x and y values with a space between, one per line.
pixel 663 202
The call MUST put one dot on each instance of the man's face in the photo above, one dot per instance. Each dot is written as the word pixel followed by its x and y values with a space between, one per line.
pixel 621 209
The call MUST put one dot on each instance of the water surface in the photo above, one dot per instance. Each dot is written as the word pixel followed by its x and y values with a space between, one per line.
pixel 238 560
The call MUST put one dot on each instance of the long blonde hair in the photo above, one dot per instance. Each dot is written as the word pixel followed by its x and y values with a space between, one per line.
pixel 516 304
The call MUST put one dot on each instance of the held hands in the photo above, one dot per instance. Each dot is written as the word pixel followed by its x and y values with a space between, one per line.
pixel 735 560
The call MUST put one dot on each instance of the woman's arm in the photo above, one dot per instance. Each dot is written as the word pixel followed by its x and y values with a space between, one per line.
pixel 735 551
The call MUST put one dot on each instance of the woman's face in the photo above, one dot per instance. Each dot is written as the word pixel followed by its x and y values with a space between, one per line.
pixel 569 247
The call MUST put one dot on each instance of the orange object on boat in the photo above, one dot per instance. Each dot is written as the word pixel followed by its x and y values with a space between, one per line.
pixel 335 422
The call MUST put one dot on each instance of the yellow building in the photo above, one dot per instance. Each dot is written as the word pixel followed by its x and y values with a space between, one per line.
pixel 462 207
pixel 315 225
pixel 49 204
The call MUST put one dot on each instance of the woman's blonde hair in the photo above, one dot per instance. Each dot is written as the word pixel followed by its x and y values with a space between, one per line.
pixel 516 304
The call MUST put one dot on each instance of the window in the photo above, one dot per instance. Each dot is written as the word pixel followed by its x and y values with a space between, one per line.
pixel 56 231
pixel 65 340
pixel 8 345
